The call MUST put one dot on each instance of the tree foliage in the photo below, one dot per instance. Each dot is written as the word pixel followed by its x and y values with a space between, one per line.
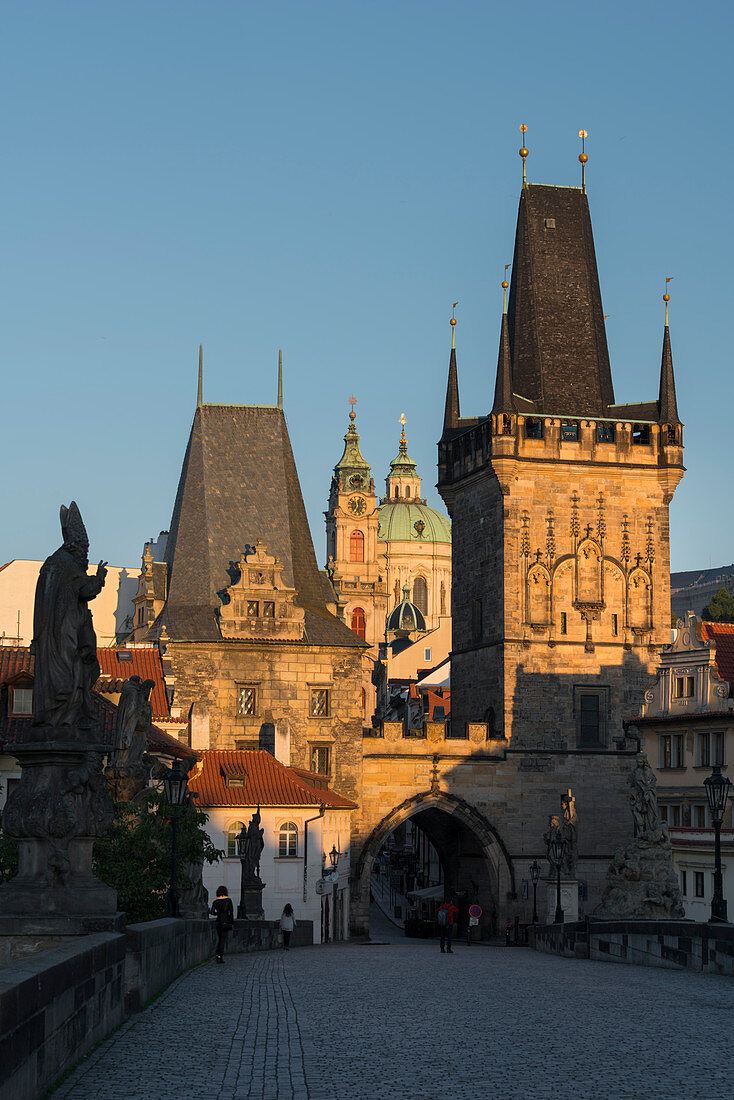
pixel 135 855
pixel 720 609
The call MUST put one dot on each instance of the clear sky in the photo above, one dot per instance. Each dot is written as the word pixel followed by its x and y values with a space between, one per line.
pixel 328 177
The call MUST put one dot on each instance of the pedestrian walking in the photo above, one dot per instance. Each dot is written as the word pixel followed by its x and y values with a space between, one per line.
pixel 287 924
pixel 223 911
pixel 445 920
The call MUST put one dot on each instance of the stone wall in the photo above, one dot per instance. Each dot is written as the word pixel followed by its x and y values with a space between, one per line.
pixel 158 951
pixel 674 945
pixel 264 935
pixel 209 673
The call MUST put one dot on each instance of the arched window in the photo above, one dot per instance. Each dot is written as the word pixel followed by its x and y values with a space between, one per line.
pixel 356 546
pixel 358 623
pixel 288 840
pixel 232 833
pixel 420 594
pixel 407 491
pixel 397 491
pixel 333 545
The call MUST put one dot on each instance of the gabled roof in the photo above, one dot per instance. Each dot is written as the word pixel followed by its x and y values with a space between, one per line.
pixel 14 660
pixel 267 782
pixel 558 343
pixel 239 483
pixel 122 663
pixel 723 635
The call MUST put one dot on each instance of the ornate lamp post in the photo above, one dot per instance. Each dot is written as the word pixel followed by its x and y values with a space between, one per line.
pixel 534 876
pixel 717 791
pixel 557 847
pixel 334 858
pixel 175 785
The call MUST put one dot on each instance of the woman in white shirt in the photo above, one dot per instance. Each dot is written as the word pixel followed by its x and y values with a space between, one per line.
pixel 287 924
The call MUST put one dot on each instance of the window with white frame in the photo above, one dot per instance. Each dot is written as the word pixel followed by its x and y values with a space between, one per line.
pixel 287 840
pixel 699 815
pixel 21 700
pixel 672 750
pixel 709 749
pixel 232 833
pixel 684 687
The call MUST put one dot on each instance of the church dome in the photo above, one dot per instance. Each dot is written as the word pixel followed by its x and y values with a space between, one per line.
pixel 408 521
pixel 406 617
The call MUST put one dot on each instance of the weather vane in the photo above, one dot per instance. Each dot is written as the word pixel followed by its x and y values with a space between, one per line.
pixel 352 402
pixel 505 285
pixel 666 297
pixel 452 322
pixel 583 134
pixel 523 151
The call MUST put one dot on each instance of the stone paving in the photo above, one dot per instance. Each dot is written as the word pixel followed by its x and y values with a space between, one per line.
pixel 397 1020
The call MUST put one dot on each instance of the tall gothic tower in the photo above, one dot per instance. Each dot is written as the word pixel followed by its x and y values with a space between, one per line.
pixel 559 501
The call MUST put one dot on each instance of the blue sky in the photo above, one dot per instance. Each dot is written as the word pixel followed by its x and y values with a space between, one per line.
pixel 328 178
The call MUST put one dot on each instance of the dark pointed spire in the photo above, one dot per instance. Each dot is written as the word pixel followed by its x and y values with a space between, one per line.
pixel 280 379
pixel 503 399
pixel 200 391
pixel 451 412
pixel 667 404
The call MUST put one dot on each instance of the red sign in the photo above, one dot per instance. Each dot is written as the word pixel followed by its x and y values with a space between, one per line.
pixel 475 911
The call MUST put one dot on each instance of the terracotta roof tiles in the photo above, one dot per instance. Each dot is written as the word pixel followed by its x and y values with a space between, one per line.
pixel 723 635
pixel 267 782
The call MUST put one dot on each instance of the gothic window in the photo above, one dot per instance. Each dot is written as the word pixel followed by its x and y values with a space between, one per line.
pixel 420 594
pixel 232 833
pixel 287 840
pixel 589 573
pixel 640 618
pixel 358 623
pixel 356 546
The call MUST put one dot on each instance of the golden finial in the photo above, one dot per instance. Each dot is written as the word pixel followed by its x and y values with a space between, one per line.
pixel 505 285
pixel 452 322
pixel 666 297
pixel 352 414
pixel 403 421
pixel 523 151
pixel 583 159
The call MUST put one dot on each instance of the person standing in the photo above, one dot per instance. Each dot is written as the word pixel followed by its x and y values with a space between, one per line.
pixel 445 919
pixel 287 924
pixel 223 911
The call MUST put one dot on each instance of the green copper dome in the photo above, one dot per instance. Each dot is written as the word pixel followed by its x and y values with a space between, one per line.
pixel 406 521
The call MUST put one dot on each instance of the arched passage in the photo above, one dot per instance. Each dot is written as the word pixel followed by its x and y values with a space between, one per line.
pixel 473 856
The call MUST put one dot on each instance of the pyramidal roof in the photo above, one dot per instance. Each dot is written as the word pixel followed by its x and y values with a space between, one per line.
pixel 558 344
pixel 239 483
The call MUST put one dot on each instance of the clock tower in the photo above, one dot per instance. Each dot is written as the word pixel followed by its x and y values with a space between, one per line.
pixel 351 543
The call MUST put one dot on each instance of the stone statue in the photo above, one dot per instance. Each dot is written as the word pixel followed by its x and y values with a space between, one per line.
pixel 641 882
pixel 254 845
pixel 554 827
pixel 132 725
pixel 643 800
pixel 569 829
pixel 64 643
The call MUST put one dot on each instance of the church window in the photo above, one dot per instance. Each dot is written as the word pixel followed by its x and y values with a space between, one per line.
pixel 358 622
pixel 232 833
pixel 605 433
pixel 420 594
pixel 253 609
pixel 533 428
pixel 570 431
pixel 564 623
pixel 684 687
pixel 288 840
pixel 246 700
pixel 319 702
pixel 320 759
pixel 640 434
pixel 269 609
pixel 356 546
pixel 22 700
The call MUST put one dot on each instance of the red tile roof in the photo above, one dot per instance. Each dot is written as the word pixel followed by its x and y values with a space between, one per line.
pixel 267 782
pixel 12 727
pixel 723 635
pixel 145 663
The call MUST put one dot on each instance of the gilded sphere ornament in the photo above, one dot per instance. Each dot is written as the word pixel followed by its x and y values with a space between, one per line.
pixel 523 152
pixel 452 321
pixel 666 297
pixel 505 284
pixel 583 158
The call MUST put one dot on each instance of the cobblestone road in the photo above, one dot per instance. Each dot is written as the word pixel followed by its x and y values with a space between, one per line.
pixel 400 1021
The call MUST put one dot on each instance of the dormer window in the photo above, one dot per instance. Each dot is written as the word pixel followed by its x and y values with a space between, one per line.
pixel 684 687
pixel 235 781
pixel 21 700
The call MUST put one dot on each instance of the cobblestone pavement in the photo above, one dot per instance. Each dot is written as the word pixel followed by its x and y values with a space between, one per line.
pixel 399 1020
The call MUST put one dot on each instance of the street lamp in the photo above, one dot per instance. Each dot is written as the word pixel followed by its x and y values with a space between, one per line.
pixel 717 791
pixel 557 847
pixel 175 784
pixel 241 842
pixel 534 876
pixel 334 858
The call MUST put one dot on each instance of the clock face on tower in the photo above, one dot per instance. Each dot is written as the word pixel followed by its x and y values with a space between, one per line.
pixel 357 506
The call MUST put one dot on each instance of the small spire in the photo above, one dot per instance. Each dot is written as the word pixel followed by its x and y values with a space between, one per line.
pixel 667 403
pixel 451 410
pixel 503 400
pixel 403 420
pixel 523 151
pixel 583 159
pixel 200 392
pixel 505 285
pixel 280 378
pixel 452 322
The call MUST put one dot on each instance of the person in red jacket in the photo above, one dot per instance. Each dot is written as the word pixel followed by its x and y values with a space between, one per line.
pixel 445 918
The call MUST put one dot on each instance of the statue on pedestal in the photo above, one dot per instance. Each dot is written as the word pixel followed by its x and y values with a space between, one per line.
pixel 254 845
pixel 127 774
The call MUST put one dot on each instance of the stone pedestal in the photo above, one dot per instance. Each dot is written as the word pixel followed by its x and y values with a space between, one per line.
pixel 569 899
pixel 252 898
pixel 57 811
pixel 641 882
